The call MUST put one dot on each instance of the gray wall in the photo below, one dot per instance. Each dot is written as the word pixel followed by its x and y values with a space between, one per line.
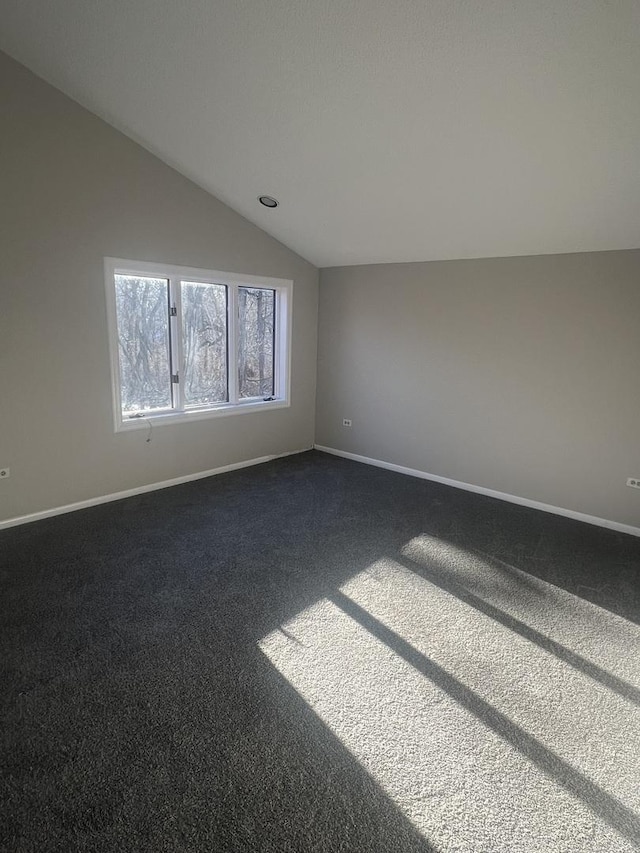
pixel 514 374
pixel 74 190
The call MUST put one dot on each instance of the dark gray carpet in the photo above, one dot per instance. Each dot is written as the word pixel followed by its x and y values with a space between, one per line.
pixel 316 655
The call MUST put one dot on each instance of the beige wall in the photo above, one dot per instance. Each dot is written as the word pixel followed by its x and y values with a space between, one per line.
pixel 74 190
pixel 514 374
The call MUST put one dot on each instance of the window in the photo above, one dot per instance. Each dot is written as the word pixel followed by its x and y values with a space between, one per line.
pixel 187 343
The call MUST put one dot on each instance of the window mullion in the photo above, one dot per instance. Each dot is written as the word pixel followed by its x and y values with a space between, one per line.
pixel 281 344
pixel 177 359
pixel 277 366
pixel 232 342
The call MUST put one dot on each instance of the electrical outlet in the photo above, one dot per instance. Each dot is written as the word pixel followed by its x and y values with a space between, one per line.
pixel 5 473
pixel 634 482
pixel 346 422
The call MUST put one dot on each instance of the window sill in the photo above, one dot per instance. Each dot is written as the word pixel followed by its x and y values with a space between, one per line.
pixel 166 418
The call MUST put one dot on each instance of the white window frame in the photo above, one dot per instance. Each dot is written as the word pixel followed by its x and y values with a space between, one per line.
pixel 175 274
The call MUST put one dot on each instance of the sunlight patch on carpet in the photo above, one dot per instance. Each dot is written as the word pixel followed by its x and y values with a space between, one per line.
pixel 462 785
pixel 608 640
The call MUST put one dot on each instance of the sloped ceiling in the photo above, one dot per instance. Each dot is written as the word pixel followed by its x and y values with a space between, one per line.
pixel 389 131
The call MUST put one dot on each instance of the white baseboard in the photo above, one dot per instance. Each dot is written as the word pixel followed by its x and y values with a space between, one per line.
pixel 140 490
pixel 480 490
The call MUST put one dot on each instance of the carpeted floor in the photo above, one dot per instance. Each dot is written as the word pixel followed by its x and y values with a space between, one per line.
pixel 316 655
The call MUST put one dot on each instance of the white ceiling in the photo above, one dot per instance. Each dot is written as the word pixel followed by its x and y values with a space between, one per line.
pixel 390 130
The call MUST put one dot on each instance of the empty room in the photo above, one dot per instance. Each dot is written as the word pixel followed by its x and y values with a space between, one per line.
pixel 320 426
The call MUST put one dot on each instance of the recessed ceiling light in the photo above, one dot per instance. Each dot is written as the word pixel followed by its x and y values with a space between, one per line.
pixel 268 201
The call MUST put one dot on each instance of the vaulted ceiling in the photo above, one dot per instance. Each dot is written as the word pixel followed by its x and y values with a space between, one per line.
pixel 389 130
